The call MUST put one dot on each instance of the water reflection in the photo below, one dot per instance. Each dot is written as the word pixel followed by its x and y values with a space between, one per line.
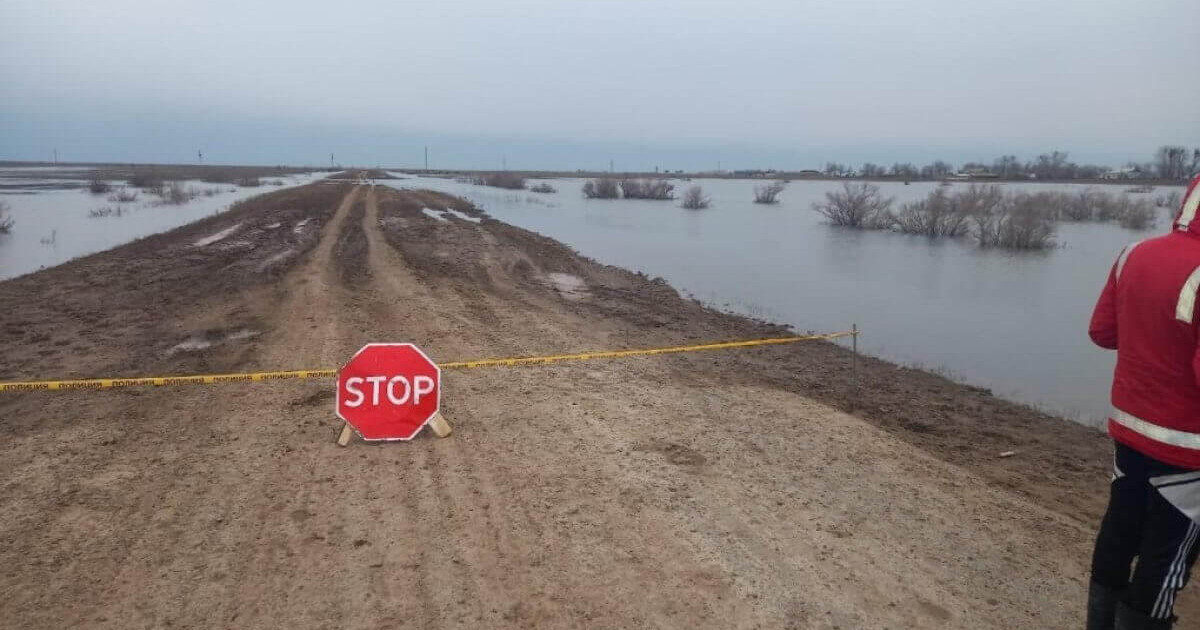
pixel 1013 322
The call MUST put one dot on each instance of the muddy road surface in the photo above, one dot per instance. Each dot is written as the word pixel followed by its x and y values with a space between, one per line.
pixel 743 489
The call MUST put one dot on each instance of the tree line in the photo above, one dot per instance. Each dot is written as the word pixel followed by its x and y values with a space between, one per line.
pixel 1170 162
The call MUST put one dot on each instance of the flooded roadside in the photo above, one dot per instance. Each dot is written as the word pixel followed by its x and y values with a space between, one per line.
pixel 1015 323
pixel 56 218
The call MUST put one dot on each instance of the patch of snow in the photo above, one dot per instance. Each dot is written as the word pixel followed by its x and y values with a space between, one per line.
pixel 434 214
pixel 300 226
pixel 275 259
pixel 213 238
pixel 462 215
pixel 191 345
pixel 571 286
pixel 274 226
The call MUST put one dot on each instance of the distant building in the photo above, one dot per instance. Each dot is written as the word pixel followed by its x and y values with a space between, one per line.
pixel 975 173
pixel 1129 172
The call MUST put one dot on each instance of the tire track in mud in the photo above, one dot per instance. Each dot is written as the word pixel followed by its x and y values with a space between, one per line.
pixel 241 487
pixel 436 504
pixel 350 252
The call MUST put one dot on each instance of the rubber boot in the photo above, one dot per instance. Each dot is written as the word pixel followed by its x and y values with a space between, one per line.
pixel 1130 619
pixel 1102 606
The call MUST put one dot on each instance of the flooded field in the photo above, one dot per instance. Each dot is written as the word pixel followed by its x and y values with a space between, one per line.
pixel 1012 322
pixel 56 218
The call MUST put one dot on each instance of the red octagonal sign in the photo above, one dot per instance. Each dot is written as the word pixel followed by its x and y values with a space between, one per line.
pixel 388 391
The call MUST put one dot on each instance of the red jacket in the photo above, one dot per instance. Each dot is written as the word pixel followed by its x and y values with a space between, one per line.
pixel 1148 313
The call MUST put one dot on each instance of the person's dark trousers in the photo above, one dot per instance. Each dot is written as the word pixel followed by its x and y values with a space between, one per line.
pixel 1141 524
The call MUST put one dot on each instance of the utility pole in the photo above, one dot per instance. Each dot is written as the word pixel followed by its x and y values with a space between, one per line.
pixel 611 169
pixel 56 156
pixel 503 162
pixel 331 160
pixel 199 156
pixel 427 157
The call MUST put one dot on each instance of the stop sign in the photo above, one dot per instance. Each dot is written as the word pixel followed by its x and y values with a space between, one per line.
pixel 388 391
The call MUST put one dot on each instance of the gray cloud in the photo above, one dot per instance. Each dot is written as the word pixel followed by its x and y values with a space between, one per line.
pixel 569 84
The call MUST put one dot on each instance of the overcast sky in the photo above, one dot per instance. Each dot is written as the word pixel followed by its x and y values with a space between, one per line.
pixel 564 84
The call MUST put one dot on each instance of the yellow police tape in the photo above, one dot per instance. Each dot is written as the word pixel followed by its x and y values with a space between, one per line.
pixel 209 379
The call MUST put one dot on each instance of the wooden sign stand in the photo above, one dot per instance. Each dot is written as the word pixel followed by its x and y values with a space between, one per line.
pixel 438 425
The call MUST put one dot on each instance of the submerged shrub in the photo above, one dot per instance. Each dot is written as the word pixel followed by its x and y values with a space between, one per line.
pixel 147 181
pixel 105 211
pixel 6 221
pixel 1138 216
pixel 98 187
pixel 123 196
pixel 603 188
pixel 939 214
pixel 695 199
pixel 859 206
pixel 1017 222
pixel 658 189
pixel 248 182
pixel 768 193
pixel 1171 201
pixel 175 194
pixel 543 188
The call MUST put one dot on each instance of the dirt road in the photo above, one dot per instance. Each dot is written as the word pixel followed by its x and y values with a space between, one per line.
pixel 700 491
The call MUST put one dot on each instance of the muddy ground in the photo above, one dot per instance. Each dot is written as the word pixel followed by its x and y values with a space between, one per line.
pixel 752 488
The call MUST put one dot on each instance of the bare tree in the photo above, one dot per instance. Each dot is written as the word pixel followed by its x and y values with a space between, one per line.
pixel 6 221
pixel 937 170
pixel 695 199
pixel 858 206
pixel 1172 162
pixel 1007 166
pixel 603 188
pixel 768 193
pixel 872 170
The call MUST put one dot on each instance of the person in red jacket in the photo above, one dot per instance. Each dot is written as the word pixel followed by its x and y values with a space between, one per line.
pixel 1148 313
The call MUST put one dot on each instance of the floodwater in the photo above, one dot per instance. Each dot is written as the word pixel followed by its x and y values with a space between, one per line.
pixel 1014 322
pixel 52 225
